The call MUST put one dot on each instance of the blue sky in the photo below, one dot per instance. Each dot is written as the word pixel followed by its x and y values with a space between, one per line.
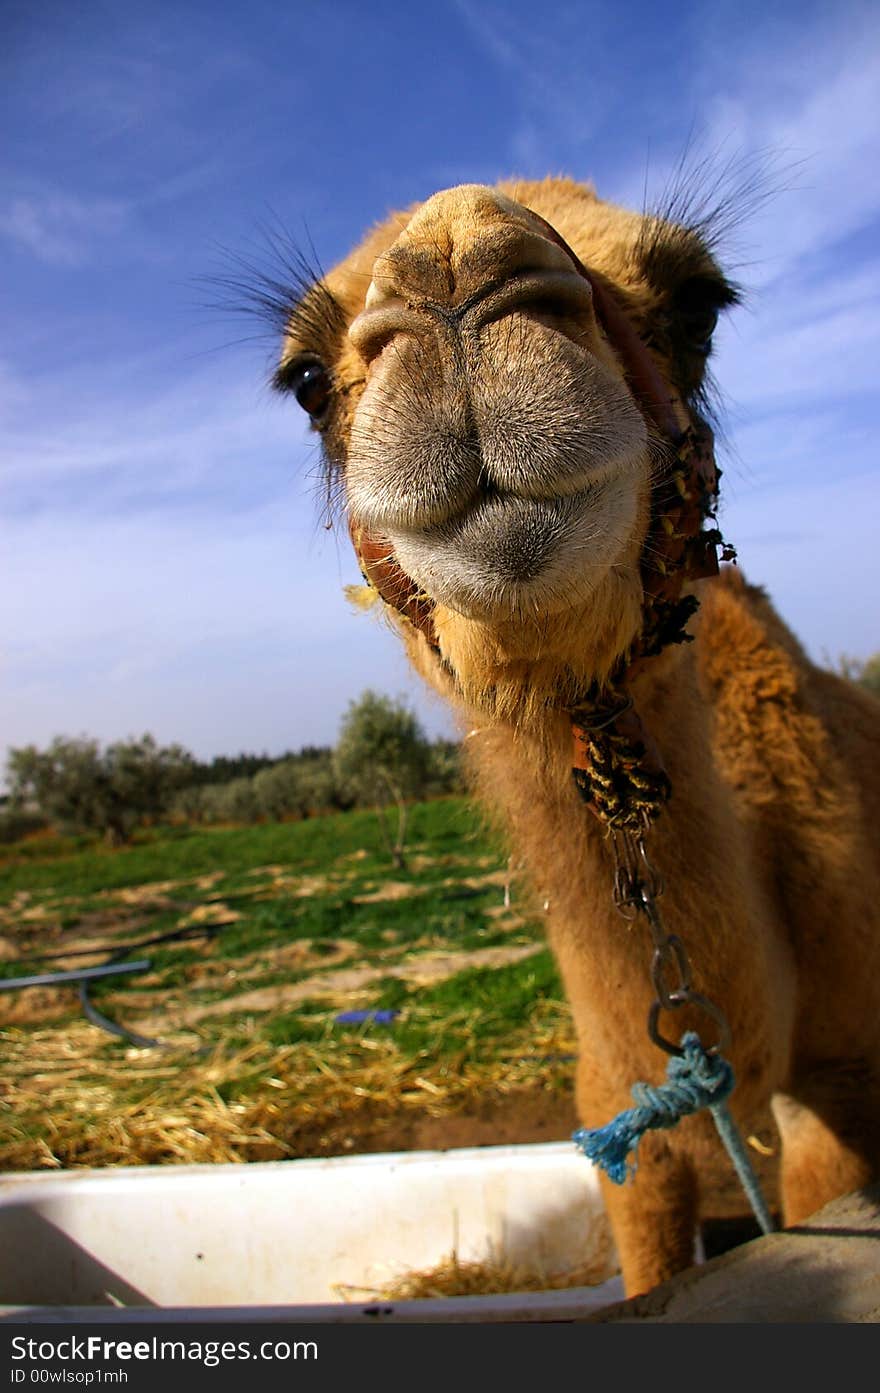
pixel 165 568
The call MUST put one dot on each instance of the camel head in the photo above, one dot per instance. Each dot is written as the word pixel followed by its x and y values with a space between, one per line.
pixel 498 461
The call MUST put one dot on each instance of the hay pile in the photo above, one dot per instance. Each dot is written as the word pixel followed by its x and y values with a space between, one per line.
pixel 71 1097
pixel 491 1276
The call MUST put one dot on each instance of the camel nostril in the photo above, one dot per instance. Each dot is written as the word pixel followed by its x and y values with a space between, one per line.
pixel 562 294
pixel 376 325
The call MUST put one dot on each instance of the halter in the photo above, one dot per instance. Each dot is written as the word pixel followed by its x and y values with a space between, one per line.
pixel 617 768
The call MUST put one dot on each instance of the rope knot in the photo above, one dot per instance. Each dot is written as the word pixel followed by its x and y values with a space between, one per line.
pixel 695 1079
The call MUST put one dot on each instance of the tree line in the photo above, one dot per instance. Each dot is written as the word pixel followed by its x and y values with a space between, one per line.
pixel 382 759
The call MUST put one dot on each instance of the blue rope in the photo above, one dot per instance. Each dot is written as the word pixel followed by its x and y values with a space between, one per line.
pixel 695 1080
pixel 729 1134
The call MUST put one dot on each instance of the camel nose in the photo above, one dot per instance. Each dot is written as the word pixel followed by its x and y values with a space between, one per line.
pixel 467 256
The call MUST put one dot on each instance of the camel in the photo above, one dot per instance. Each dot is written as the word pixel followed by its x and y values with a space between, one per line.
pixel 509 387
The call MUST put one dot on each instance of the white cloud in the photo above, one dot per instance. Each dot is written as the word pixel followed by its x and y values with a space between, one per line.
pixel 83 437
pixel 765 361
pixel 814 108
pixel 59 228
pixel 197 633
pixel 812 545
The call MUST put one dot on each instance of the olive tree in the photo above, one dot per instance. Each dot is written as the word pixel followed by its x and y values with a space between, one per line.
pixel 382 757
pixel 75 784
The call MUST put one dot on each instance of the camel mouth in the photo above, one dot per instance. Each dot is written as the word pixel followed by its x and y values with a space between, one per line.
pixel 502 493
pixel 507 556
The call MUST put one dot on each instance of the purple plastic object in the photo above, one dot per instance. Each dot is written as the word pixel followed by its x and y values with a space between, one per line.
pixel 360 1017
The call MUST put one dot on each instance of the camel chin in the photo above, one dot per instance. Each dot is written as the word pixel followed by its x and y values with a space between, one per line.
pixel 511 558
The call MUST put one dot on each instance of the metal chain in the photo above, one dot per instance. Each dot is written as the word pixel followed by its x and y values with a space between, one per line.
pixel 637 885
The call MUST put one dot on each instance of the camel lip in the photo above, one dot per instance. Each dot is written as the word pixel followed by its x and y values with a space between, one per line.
pixel 513 555
pixel 514 535
pixel 492 503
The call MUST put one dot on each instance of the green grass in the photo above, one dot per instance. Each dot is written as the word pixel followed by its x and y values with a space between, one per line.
pixel 457 1017
pixel 472 1010
pixel 261 996
pixel 66 866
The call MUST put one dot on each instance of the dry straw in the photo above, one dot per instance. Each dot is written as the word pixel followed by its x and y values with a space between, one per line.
pixel 71 1098
pixel 494 1274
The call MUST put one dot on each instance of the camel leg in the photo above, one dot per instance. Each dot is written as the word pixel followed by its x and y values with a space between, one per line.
pixel 653 1216
pixel 830 1128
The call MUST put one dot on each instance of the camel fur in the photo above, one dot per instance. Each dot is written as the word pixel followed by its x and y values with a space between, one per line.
pixel 482 425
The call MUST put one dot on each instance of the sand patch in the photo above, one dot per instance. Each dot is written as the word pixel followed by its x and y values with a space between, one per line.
pixel 208 881
pixel 214 913
pixel 308 885
pixel 426 970
pixel 391 890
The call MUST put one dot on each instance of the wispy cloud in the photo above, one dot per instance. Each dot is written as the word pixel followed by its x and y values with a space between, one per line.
pixel 819 112
pixel 766 361
pixel 810 543
pixel 72 447
pixel 559 102
pixel 60 229
pixel 166 622
pixel 170 572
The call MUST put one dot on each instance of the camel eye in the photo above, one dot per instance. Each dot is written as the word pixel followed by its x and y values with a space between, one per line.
pixel 312 386
pixel 699 329
pixel 696 313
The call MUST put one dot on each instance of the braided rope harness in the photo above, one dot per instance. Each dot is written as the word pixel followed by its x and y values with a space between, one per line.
pixel 617 768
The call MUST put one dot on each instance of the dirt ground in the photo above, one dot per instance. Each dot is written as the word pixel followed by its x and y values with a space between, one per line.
pixel 517 1118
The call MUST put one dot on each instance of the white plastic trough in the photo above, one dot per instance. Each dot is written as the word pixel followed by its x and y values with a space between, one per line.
pixel 307 1236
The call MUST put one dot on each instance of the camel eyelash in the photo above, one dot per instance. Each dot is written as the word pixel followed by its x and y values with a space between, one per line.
pixel 280 288
pixel 312 314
